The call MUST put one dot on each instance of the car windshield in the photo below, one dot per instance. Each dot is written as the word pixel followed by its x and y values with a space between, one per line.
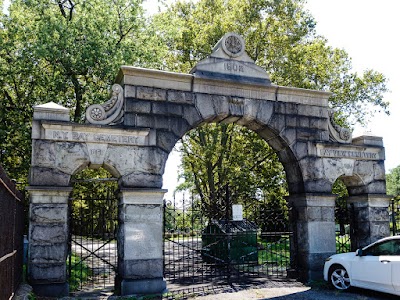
pixel 390 247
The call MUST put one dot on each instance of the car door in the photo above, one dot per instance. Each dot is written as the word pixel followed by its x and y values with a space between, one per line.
pixel 373 269
pixel 372 272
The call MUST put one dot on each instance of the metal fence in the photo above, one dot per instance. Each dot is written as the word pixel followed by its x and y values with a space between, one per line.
pixel 11 237
pixel 92 259
pixel 201 253
pixel 394 214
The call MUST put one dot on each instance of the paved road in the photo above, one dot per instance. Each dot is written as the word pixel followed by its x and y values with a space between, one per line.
pixel 300 293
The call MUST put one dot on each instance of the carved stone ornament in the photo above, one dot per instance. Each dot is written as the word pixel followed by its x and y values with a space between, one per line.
pixel 233 44
pixel 337 133
pixel 109 113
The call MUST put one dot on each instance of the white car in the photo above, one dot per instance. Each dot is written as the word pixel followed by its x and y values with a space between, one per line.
pixel 375 267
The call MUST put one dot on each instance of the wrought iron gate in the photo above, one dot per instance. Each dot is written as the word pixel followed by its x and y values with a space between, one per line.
pixel 394 214
pixel 92 260
pixel 345 226
pixel 199 252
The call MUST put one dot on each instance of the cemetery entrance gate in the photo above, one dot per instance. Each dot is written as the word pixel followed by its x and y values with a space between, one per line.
pixel 248 249
pixel 132 134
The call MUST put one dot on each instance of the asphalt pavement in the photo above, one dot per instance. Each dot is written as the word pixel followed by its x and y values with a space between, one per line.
pixel 300 293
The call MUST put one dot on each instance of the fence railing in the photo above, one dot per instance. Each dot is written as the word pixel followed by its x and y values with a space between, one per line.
pixel 11 237
pixel 394 215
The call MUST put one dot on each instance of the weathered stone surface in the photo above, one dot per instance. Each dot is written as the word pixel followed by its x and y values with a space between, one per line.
pixel 43 153
pixel 54 233
pixel 166 140
pixel 145 121
pixel 129 160
pixel 55 290
pixel 143 240
pixel 250 110
pixel 205 106
pixel 130 91
pixel 49 213
pixel 55 253
pixel 48 177
pixel 265 111
pixel 141 180
pixel 51 111
pixel 167 109
pixel 138 106
pixel 192 116
pixel 42 273
pixel 181 97
pixel 179 126
pixel 142 268
pixel 48 195
pixel 71 157
pixel 161 122
pixel 147 93
pixel 143 286
pixel 221 105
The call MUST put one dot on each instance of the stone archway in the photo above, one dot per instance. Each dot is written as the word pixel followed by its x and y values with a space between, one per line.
pixel 133 133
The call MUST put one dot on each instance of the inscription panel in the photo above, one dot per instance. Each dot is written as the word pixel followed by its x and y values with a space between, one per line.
pixel 358 153
pixel 95 135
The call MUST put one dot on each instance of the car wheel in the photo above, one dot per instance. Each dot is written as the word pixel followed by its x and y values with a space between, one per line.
pixel 339 277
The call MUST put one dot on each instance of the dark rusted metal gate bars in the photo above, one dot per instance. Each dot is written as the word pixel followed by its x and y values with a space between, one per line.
pixel 92 260
pixel 11 233
pixel 199 251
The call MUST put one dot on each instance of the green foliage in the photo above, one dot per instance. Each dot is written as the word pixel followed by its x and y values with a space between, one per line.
pixel 94 203
pixel 280 36
pixel 227 164
pixel 68 52
pixel 79 272
pixel 220 163
pixel 393 182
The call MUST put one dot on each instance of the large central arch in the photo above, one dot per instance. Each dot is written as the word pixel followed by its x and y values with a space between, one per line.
pixel 132 134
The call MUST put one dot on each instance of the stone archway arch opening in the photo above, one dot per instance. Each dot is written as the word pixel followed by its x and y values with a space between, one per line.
pixel 192 221
pixel 93 225
pixel 134 132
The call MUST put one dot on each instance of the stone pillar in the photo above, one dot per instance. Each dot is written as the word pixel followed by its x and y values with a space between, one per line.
pixel 140 242
pixel 370 220
pixel 48 240
pixel 314 232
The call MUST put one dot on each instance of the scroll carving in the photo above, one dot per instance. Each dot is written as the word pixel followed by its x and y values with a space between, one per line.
pixel 109 113
pixel 337 133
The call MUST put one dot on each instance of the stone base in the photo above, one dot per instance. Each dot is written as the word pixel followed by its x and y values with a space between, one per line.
pixel 51 290
pixel 142 286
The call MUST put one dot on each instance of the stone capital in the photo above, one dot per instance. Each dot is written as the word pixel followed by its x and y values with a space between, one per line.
pixel 49 194
pixel 370 200
pixel 312 199
pixel 142 196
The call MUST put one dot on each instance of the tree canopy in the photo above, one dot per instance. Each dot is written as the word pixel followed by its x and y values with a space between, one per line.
pixel 393 182
pixel 280 37
pixel 69 52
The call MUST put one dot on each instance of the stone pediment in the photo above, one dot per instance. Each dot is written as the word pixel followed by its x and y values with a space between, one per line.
pixel 229 60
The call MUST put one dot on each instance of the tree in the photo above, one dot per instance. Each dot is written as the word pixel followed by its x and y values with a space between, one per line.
pixel 67 52
pixel 280 36
pixel 393 183
pixel 227 164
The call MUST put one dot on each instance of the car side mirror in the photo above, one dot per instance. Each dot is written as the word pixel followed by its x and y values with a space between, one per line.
pixel 359 252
